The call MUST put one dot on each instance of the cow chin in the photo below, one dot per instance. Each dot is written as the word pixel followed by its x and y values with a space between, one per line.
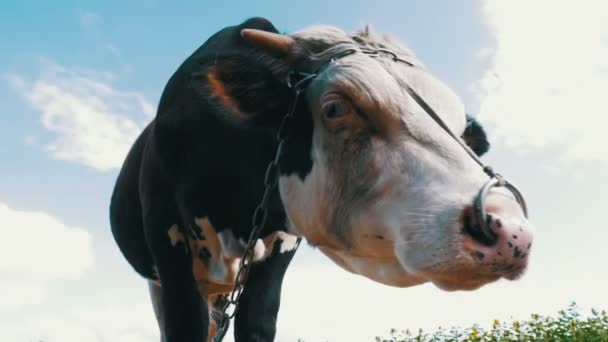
pixel 453 267
pixel 387 271
pixel 463 284
pixel 464 275
pixel 466 279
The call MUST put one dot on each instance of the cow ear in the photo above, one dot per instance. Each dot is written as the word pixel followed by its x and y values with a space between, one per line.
pixel 475 137
pixel 244 74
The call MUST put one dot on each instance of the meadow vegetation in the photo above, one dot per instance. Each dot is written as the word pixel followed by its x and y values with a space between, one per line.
pixel 567 326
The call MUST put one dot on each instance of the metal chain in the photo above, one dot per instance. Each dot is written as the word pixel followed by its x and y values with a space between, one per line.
pixel 230 303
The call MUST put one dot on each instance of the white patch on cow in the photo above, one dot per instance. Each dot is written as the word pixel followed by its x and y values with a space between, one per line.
pixel 175 236
pixel 259 250
pixel 307 201
pixel 264 248
pixel 289 242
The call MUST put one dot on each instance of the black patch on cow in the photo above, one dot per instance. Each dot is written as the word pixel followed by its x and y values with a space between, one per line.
pixel 262 296
pixel 217 158
pixel 126 211
pixel 213 161
pixel 478 255
pixel 204 254
pixel 297 153
pixel 517 252
pixel 205 155
pixel 256 82
pixel 475 136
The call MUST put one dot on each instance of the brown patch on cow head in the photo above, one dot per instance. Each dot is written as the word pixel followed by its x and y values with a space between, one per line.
pixel 221 93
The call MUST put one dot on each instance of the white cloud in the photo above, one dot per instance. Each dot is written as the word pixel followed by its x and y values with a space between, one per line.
pixel 321 302
pixel 21 293
pixel 38 252
pixel 120 323
pixel 36 248
pixel 547 85
pixel 94 123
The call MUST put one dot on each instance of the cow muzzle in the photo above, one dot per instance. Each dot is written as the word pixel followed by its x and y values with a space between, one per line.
pixel 501 242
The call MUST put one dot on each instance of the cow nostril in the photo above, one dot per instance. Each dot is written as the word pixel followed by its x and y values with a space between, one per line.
pixel 471 227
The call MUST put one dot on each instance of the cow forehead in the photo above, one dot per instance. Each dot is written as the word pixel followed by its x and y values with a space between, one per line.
pixel 378 86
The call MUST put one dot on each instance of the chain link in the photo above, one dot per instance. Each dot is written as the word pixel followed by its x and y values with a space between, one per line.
pixel 230 303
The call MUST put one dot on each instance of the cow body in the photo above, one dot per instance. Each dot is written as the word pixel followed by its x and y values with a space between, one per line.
pixel 360 176
pixel 194 171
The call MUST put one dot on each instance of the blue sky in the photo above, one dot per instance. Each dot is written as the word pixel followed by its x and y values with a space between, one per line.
pixel 79 79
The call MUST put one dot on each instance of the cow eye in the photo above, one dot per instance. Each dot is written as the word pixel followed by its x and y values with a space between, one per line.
pixel 335 109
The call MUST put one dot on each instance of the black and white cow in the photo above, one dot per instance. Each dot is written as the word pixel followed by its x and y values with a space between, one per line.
pixel 366 176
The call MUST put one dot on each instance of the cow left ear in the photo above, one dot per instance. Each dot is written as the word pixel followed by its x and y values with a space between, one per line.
pixel 475 137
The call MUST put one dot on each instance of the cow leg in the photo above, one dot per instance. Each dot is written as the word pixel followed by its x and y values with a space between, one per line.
pixel 156 299
pixel 184 314
pixel 259 303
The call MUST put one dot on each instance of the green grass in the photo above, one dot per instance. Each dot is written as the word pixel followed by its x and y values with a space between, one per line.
pixel 567 326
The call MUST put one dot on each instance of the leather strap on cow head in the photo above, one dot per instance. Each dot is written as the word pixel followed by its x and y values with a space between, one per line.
pixel 496 180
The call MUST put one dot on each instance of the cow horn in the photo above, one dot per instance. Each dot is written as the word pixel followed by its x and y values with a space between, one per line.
pixel 278 45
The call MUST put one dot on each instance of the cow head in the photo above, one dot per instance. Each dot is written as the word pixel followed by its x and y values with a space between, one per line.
pixel 371 180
